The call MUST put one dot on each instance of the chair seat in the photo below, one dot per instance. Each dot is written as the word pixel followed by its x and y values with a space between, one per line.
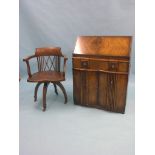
pixel 46 76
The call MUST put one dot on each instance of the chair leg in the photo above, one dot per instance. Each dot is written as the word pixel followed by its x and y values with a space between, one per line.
pixel 36 90
pixel 55 88
pixel 63 90
pixel 44 95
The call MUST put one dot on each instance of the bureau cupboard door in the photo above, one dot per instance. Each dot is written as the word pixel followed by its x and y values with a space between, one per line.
pixel 107 91
pixel 89 85
pixel 102 91
pixel 112 91
pixel 77 86
pixel 84 88
pixel 92 86
pixel 121 85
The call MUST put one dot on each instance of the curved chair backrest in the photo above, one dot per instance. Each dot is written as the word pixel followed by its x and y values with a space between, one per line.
pixel 49 58
pixel 48 51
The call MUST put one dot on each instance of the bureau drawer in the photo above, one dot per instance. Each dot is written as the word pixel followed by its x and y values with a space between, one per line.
pixel 114 66
pixel 101 64
pixel 81 63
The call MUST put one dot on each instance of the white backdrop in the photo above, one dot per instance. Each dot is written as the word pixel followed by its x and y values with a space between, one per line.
pixel 59 22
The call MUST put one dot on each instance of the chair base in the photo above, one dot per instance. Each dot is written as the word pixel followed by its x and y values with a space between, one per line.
pixel 45 91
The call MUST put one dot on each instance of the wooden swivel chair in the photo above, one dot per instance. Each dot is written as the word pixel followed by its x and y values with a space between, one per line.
pixel 51 66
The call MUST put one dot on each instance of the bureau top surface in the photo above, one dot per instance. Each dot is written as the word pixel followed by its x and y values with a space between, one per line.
pixel 103 45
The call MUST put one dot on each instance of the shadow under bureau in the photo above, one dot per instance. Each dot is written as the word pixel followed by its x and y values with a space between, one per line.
pixel 100 71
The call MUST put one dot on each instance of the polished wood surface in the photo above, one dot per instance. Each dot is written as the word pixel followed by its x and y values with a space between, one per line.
pixel 100 72
pixel 51 68
pixel 103 45
pixel 101 64
pixel 48 76
pixel 55 51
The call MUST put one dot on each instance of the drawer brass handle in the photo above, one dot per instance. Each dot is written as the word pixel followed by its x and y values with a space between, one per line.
pixel 112 66
pixel 84 64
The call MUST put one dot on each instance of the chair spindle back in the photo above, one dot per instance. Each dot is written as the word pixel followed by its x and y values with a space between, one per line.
pixel 49 59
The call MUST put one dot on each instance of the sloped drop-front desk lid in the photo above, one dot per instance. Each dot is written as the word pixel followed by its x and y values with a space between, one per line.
pixel 103 45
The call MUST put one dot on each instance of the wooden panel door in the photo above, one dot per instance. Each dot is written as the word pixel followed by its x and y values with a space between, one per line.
pixel 107 91
pixel 84 88
pixel 121 92
pixel 99 89
pixel 112 91
pixel 89 88
pixel 102 91
pixel 92 86
pixel 77 86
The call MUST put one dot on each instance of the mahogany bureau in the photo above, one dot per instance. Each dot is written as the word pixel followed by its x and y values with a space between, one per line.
pixel 100 71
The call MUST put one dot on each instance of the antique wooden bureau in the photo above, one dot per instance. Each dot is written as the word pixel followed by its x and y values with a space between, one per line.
pixel 100 71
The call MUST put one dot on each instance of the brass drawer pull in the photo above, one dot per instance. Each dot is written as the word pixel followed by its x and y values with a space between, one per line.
pixel 84 64
pixel 113 66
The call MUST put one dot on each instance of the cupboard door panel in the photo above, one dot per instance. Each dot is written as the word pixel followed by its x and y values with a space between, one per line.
pixel 92 78
pixel 89 86
pixel 107 91
pixel 112 91
pixel 77 86
pixel 103 87
pixel 121 86
pixel 84 88
pixel 111 97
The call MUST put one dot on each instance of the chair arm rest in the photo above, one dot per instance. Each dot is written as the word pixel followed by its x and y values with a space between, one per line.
pixel 29 57
pixel 64 56
pixel 28 65
pixel 64 68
